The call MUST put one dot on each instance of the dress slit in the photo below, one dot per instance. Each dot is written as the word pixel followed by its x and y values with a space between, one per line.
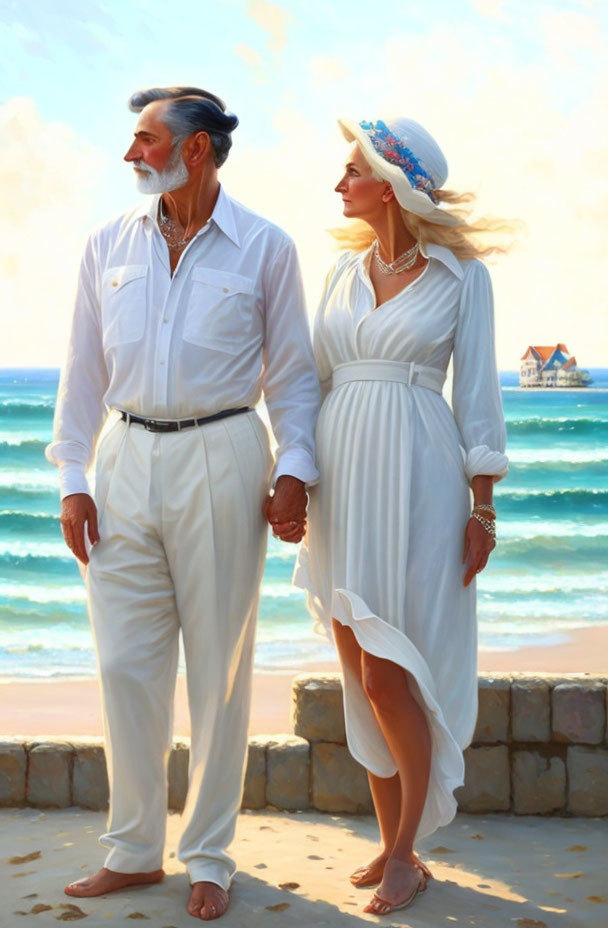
pixel 365 740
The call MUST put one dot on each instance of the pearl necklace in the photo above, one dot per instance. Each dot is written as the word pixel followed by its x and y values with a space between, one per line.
pixel 403 263
pixel 168 230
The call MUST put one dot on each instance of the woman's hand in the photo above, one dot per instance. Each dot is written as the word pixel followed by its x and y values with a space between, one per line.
pixel 286 509
pixel 478 544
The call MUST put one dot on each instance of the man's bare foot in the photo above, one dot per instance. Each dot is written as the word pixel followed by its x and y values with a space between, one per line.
pixel 108 881
pixel 207 901
pixel 369 874
pixel 401 881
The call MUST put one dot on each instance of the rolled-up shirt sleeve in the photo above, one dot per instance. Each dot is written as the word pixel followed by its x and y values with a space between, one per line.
pixel 476 396
pixel 80 410
pixel 290 382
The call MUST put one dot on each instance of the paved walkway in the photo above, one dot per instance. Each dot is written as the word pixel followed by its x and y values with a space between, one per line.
pixel 491 872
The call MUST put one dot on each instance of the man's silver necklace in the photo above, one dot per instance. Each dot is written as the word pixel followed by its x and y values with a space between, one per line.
pixel 403 263
pixel 167 227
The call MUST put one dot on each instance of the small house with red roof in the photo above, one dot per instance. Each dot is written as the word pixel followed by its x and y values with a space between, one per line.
pixel 551 366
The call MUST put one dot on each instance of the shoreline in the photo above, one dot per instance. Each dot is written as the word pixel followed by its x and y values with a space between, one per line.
pixel 71 707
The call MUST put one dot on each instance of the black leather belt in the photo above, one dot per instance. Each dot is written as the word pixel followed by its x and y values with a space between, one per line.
pixel 176 425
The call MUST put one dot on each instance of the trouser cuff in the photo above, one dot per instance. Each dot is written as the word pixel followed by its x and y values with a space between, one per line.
pixel 127 862
pixel 210 871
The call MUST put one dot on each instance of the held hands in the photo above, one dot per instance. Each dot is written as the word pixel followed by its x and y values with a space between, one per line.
pixel 478 544
pixel 75 511
pixel 286 509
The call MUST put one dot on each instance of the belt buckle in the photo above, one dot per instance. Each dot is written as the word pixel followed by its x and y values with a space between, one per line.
pixel 150 425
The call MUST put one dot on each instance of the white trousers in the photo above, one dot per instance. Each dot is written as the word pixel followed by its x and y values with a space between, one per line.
pixel 182 545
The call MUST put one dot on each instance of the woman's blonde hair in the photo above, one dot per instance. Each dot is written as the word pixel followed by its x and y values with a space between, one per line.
pixel 466 240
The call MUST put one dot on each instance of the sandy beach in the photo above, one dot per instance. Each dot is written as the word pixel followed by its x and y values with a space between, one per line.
pixel 490 872
pixel 71 707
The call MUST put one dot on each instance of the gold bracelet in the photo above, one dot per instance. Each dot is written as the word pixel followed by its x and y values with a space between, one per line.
pixel 485 507
pixel 488 524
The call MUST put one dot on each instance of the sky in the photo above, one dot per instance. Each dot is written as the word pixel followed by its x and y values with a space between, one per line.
pixel 514 91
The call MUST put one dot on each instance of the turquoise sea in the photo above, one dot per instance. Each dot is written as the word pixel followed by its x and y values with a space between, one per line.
pixel 548 573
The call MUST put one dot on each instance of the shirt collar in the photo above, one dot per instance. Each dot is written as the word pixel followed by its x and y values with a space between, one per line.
pixel 222 215
pixel 430 250
pixel 444 255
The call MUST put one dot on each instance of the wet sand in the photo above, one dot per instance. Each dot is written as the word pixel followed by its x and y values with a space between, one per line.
pixel 71 707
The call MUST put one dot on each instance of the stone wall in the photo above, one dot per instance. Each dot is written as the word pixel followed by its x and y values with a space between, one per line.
pixel 540 747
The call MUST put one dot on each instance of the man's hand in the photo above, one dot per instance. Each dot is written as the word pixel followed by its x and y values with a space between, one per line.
pixel 286 510
pixel 75 511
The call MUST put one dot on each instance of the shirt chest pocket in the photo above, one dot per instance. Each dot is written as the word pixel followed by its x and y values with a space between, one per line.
pixel 220 310
pixel 123 304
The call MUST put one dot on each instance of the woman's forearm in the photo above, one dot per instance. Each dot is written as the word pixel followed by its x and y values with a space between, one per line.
pixel 482 486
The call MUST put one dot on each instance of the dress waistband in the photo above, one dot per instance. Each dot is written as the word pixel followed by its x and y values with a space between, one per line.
pixel 406 372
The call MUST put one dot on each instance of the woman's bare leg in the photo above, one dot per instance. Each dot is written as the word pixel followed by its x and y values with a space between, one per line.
pixel 386 793
pixel 405 729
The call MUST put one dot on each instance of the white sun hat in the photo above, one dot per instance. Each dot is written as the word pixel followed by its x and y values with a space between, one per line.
pixel 402 152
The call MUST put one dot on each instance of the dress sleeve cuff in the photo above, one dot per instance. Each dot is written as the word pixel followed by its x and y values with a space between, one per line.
pixel 296 464
pixel 72 479
pixel 481 460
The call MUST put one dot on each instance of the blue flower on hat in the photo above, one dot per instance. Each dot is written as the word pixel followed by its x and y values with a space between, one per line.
pixel 394 151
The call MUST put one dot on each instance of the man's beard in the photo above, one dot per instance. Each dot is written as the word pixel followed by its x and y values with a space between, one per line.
pixel 170 178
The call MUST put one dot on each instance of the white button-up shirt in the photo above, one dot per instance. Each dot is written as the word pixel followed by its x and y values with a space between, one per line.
pixel 228 325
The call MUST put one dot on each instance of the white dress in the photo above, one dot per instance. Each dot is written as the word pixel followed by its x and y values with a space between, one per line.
pixel 383 554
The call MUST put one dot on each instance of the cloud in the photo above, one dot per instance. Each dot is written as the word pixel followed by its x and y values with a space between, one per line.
pixel 568 35
pixel 254 61
pixel 509 135
pixel 46 175
pixel 273 19
pixel 523 133
pixel 325 70
pixel 492 9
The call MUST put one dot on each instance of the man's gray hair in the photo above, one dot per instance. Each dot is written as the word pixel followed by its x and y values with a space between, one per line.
pixel 192 110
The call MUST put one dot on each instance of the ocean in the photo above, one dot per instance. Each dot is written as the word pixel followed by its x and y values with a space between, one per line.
pixel 548 574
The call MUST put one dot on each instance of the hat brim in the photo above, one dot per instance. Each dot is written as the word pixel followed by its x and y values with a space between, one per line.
pixel 410 199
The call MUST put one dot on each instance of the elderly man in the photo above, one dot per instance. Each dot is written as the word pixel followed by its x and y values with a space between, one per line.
pixel 187 309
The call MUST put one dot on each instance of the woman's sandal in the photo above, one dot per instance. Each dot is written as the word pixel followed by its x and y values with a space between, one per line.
pixel 379 906
pixel 364 883
pixel 423 868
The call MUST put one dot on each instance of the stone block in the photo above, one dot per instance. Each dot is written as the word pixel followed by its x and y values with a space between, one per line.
pixel 177 774
pixel 494 707
pixel 288 772
pixel 588 781
pixel 317 709
pixel 339 783
pixel 90 777
pixel 539 783
pixel 531 710
pixel 13 763
pixel 487 783
pixel 49 775
pixel 254 792
pixel 579 712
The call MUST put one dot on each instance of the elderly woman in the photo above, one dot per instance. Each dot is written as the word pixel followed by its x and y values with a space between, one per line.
pixel 393 544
